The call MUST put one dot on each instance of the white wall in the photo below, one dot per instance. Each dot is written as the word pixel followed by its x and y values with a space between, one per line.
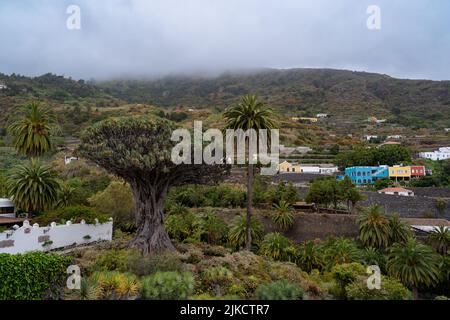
pixel 31 238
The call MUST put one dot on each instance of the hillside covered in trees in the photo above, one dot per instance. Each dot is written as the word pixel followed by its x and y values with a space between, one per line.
pixel 343 94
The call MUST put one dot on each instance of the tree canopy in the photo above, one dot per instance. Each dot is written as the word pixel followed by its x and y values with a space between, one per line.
pixel 138 149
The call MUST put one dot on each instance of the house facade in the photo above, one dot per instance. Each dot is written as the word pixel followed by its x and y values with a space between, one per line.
pixel 7 209
pixel 397 192
pixel 363 175
pixel 326 169
pixel 441 154
pixel 366 174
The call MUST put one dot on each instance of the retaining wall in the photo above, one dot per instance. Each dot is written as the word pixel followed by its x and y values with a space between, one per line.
pixel 34 238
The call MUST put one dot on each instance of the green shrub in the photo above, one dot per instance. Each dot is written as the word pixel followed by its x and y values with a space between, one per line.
pixel 31 276
pixel 114 260
pixel 168 286
pixel 391 289
pixel 345 274
pixel 214 230
pixel 163 262
pixel 279 290
pixel 184 228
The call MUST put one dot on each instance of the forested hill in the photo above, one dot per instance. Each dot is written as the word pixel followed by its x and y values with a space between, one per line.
pixel 306 91
pixel 345 94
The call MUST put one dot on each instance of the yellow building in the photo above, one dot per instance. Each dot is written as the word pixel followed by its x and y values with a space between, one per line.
pixel 309 119
pixel 400 172
pixel 289 167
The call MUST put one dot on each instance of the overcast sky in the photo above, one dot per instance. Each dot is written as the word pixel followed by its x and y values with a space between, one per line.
pixel 157 37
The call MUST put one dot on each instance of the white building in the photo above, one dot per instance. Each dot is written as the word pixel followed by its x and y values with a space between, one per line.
pixel 68 160
pixel 441 154
pixel 322 115
pixel 318 169
pixel 7 208
pixel 397 192
pixel 368 138
pixel 395 136
pixel 3 86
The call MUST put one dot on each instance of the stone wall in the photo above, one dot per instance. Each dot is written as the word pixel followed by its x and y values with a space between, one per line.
pixel 416 207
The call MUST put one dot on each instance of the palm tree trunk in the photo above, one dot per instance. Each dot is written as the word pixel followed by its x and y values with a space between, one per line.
pixel 415 293
pixel 248 237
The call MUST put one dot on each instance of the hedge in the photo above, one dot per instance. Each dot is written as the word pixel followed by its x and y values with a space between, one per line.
pixel 31 276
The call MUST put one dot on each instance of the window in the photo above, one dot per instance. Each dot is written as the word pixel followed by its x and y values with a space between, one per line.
pixel 364 181
pixel 359 174
pixel 359 180
pixel 293 169
pixel 364 174
pixel 6 210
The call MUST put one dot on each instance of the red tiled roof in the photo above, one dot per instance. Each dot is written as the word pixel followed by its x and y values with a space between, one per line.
pixel 4 220
pixel 395 190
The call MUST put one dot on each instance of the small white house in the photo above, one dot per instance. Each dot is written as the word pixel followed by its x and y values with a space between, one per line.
pixel 68 160
pixel 370 137
pixel 3 86
pixel 7 209
pixel 441 154
pixel 322 115
pixel 397 192
pixel 395 136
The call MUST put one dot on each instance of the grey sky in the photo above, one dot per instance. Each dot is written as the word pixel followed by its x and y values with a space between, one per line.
pixel 158 37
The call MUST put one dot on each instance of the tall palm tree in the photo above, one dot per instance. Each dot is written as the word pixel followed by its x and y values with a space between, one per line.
pixel 33 186
pixel 440 239
pixel 374 228
pixel 32 130
pixel 249 113
pixel 414 264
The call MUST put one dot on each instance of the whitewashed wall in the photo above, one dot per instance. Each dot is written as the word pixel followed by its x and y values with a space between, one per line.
pixel 31 238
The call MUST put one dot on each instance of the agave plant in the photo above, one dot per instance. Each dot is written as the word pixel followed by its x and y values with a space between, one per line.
pixel 440 239
pixel 414 264
pixel 89 290
pixel 283 217
pixel 374 230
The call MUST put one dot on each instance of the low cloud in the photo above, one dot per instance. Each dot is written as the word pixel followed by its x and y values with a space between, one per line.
pixel 136 38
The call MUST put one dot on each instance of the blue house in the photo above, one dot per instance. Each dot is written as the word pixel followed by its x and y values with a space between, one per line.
pixel 366 175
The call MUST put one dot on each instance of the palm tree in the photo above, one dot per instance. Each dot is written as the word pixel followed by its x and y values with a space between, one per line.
pixel 414 264
pixel 374 228
pixel 33 186
pixel 440 239
pixel 250 113
pixel 32 131
pixel 310 257
pixel 276 247
pixel 237 235
pixel 399 231
pixel 65 195
pixel 283 216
